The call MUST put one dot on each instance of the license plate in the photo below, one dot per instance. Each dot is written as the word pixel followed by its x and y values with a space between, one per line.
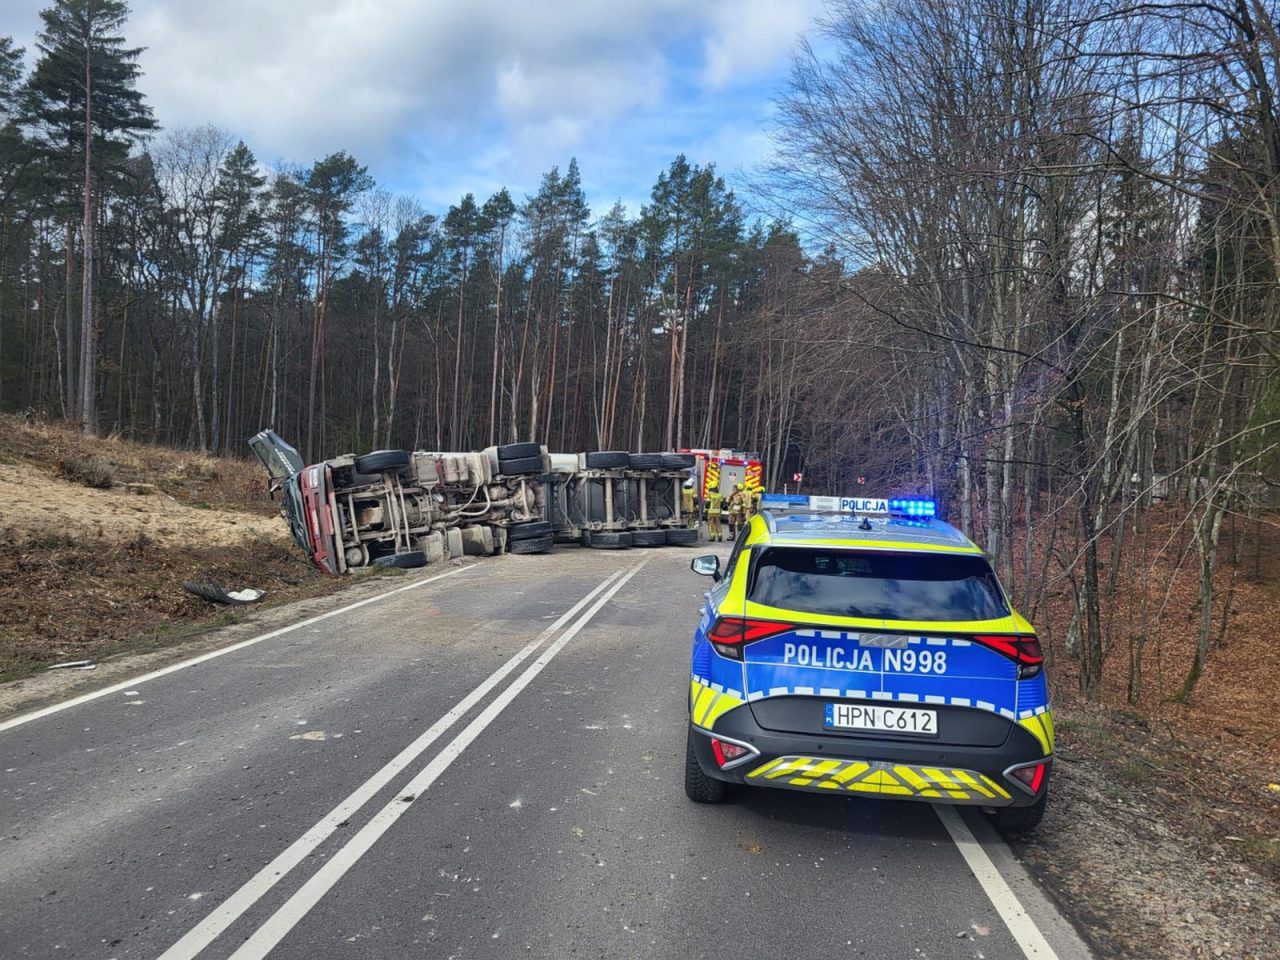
pixel 857 716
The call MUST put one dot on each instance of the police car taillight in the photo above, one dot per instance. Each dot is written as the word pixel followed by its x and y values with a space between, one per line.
pixel 1023 650
pixel 1030 776
pixel 727 752
pixel 730 634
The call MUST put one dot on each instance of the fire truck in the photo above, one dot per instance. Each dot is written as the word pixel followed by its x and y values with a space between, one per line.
pixel 722 470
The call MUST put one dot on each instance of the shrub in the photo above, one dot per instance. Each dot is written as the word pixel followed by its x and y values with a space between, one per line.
pixel 91 470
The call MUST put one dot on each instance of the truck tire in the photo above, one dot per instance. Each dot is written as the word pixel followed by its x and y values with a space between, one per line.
pixel 535 545
pixel 645 461
pixel 681 536
pixel 521 467
pixel 679 461
pixel 648 538
pixel 382 460
pixel 402 561
pixel 610 539
pixel 519 451
pixel 528 531
pixel 608 460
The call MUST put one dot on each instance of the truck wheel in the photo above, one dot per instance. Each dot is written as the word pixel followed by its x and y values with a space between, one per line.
pixel 520 467
pixel 648 538
pixel 646 461
pixel 535 545
pixel 610 539
pixel 698 787
pixel 403 561
pixel 679 461
pixel 681 536
pixel 1020 819
pixel 382 460
pixel 519 451
pixel 608 460
pixel 528 531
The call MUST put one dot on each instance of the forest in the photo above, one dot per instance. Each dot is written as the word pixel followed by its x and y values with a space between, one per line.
pixel 1019 254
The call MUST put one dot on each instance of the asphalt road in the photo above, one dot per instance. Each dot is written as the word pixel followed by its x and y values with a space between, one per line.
pixel 484 765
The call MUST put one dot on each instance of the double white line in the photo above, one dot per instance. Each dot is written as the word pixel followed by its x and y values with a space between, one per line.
pixel 308 895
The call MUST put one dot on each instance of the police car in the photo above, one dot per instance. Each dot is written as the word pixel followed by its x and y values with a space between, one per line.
pixel 860 646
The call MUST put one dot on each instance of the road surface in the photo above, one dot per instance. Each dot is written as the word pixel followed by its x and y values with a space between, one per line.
pixel 477 762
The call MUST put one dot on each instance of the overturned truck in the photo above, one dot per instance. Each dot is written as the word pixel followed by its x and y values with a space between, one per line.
pixel 394 508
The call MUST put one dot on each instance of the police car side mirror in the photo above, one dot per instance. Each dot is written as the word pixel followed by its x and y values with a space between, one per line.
pixel 708 566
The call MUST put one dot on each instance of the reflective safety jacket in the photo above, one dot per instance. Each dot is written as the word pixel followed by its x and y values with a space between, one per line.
pixel 713 504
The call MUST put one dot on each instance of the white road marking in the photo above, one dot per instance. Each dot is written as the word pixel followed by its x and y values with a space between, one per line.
pixel 128 685
pixel 234 906
pixel 267 936
pixel 1024 930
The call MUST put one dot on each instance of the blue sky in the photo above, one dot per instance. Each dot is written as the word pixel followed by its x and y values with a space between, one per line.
pixel 442 97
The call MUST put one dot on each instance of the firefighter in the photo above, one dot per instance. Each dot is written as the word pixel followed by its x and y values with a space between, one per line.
pixel 737 509
pixel 715 533
pixel 686 500
pixel 757 500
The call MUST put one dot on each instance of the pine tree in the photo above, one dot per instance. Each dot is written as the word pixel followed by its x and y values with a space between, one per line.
pixel 82 96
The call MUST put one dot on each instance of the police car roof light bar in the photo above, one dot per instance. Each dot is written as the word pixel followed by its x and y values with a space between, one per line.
pixel 915 508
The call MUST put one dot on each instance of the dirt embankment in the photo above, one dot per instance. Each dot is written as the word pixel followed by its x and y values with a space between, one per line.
pixel 97 535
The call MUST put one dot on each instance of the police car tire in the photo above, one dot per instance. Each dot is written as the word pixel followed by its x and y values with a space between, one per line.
pixel 1020 819
pixel 648 538
pixel 402 561
pixel 519 451
pixel 681 537
pixel 529 531
pixel 646 461
pixel 608 460
pixel 698 787
pixel 678 461
pixel 521 466
pixel 381 460
pixel 536 545
pixel 610 539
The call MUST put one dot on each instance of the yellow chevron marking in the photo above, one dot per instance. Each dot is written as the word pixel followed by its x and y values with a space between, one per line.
pixel 854 769
pixel 1046 720
pixel 1033 725
pixel 817 772
pixel 930 793
pixel 791 766
pixel 974 784
pixel 1000 791
pixel 768 766
pixel 829 785
pixel 694 688
pixel 888 784
pixel 722 705
pixel 864 786
pixel 703 702
pixel 938 777
pixel 913 778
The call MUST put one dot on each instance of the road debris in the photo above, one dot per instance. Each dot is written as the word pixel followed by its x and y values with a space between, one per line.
pixel 73 665
pixel 215 592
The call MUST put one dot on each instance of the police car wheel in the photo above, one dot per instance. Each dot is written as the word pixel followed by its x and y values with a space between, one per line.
pixel 1020 819
pixel 698 787
pixel 381 460
pixel 522 466
pixel 536 545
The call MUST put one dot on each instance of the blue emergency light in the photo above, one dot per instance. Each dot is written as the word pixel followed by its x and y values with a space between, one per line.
pixel 914 508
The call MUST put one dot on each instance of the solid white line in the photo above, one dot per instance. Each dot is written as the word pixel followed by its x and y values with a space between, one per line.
pixel 234 906
pixel 275 928
pixel 221 652
pixel 1021 926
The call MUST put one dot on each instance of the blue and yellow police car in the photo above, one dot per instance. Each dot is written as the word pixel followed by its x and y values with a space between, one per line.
pixel 861 646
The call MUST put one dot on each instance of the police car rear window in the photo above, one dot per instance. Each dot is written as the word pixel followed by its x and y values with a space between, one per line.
pixel 884 586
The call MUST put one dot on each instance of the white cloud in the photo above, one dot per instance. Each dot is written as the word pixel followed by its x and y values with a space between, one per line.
pixel 752 35
pixel 435 94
